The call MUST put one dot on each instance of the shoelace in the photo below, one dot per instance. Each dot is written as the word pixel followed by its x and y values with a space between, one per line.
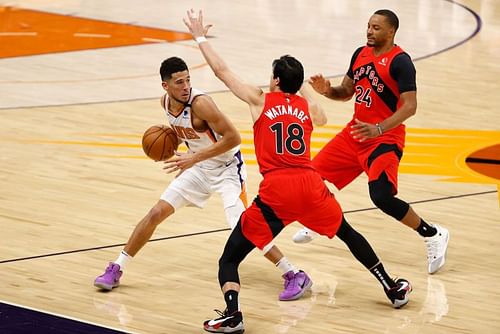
pixel 222 314
pixel 394 288
pixel 290 281
pixel 109 269
pixel 432 248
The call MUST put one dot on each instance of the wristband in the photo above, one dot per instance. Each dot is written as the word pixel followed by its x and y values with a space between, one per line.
pixel 200 39
pixel 379 128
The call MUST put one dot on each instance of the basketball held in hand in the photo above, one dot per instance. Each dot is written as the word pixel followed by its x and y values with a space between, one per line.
pixel 159 142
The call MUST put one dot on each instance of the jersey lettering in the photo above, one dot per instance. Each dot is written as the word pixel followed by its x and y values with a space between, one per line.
pixel 371 75
pixel 280 110
pixel 185 133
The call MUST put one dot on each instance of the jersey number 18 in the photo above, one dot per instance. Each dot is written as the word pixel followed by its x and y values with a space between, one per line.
pixel 292 141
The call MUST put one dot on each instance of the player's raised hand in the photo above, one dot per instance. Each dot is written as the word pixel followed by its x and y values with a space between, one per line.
pixel 320 84
pixel 194 22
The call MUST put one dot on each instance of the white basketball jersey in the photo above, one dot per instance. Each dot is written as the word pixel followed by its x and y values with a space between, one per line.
pixel 195 141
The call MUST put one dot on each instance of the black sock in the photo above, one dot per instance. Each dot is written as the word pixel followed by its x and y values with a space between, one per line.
pixel 381 275
pixel 231 298
pixel 425 229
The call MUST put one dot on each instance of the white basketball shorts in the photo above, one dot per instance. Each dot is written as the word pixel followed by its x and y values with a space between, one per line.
pixel 196 184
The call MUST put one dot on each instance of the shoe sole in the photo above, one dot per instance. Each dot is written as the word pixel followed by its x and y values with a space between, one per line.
pixel 300 294
pixel 105 286
pixel 226 330
pixel 240 331
pixel 444 256
pixel 407 299
pixel 400 306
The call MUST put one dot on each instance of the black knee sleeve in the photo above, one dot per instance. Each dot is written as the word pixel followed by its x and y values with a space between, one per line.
pixel 228 272
pixel 236 249
pixel 381 195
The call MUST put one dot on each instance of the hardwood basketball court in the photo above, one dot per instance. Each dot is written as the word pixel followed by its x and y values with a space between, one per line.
pixel 79 84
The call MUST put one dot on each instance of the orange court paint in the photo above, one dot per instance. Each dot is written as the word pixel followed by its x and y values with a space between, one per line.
pixel 26 32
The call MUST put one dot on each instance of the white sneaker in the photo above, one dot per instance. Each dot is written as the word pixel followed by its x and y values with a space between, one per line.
pixel 436 248
pixel 304 235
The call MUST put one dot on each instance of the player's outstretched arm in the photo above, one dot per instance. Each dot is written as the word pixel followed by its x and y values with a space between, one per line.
pixel 248 93
pixel 344 92
pixel 317 113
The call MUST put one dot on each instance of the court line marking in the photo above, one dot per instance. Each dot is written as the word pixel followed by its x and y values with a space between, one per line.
pixel 119 330
pixel 476 16
pixel 227 229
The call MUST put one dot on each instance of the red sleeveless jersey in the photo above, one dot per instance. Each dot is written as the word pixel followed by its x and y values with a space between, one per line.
pixel 376 91
pixel 282 133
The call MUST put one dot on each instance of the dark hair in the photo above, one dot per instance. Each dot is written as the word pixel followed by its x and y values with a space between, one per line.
pixel 290 72
pixel 390 16
pixel 170 66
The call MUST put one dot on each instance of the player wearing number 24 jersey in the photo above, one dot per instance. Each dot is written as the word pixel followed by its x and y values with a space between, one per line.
pixel 382 79
pixel 377 91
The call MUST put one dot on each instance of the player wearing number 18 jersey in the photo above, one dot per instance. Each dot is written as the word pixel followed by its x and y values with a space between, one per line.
pixel 291 190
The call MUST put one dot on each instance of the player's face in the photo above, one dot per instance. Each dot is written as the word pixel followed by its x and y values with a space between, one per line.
pixel 379 31
pixel 179 86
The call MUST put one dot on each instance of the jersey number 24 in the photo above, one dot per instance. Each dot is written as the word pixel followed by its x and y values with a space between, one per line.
pixel 363 96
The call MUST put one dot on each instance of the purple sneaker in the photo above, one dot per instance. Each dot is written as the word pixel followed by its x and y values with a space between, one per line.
pixel 111 277
pixel 295 285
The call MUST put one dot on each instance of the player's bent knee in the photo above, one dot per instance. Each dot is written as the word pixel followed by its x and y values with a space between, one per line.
pixel 159 213
pixel 155 216
pixel 382 195
pixel 380 200
pixel 228 271
pixel 390 205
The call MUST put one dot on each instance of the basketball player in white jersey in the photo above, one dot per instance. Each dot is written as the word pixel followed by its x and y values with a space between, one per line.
pixel 213 164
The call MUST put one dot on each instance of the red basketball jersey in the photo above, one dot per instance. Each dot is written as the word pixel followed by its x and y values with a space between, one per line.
pixel 282 134
pixel 376 91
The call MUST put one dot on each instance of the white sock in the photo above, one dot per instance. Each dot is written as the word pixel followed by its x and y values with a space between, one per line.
pixel 285 266
pixel 123 259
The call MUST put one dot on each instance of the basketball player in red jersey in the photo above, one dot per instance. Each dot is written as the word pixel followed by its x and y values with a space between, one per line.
pixel 213 164
pixel 382 78
pixel 291 190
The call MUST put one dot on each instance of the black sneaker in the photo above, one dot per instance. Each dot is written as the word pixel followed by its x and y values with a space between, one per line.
pixel 399 295
pixel 226 323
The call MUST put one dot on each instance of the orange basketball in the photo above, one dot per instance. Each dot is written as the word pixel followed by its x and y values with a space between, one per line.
pixel 159 142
